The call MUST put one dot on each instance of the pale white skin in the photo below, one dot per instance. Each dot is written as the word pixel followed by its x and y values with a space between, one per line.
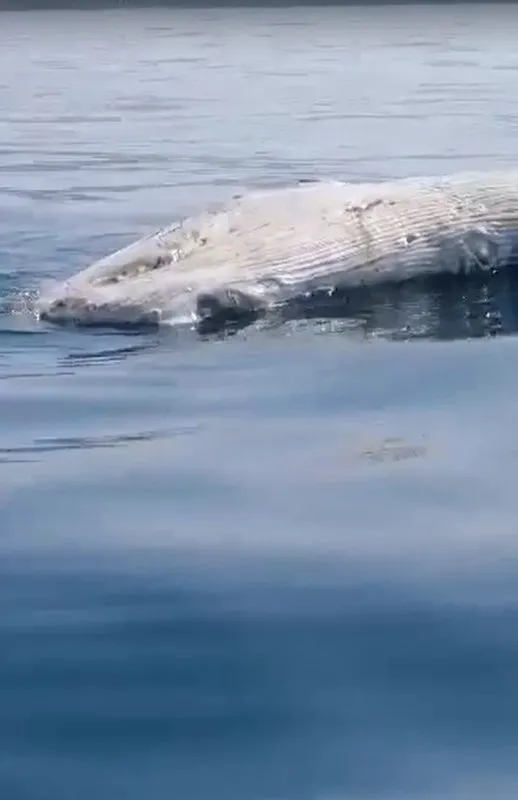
pixel 272 245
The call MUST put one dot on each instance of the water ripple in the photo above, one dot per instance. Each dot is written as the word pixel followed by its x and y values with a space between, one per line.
pixel 55 444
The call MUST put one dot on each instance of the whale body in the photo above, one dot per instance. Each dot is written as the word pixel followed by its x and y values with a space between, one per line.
pixel 273 247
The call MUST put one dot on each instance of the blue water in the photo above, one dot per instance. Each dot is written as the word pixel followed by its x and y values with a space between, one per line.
pixel 280 565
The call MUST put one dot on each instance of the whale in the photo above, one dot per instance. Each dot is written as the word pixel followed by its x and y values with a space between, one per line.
pixel 270 249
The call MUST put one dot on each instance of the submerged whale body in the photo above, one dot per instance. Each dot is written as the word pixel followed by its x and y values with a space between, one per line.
pixel 294 248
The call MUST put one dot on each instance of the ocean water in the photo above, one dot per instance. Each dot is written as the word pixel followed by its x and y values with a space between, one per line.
pixel 280 565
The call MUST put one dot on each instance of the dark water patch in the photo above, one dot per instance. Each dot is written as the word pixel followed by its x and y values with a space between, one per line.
pixel 108 355
pixel 440 307
pixel 15 376
pixel 55 444
pixel 22 333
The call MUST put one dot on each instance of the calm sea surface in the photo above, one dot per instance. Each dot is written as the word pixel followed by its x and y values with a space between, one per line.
pixel 281 565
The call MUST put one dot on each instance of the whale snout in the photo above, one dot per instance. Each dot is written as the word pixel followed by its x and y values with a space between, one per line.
pixel 55 310
pixel 60 310
pixel 80 312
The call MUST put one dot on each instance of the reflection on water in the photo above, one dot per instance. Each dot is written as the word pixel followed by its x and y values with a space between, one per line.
pixel 441 307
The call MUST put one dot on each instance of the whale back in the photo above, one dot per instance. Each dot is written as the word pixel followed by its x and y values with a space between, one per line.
pixel 277 243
